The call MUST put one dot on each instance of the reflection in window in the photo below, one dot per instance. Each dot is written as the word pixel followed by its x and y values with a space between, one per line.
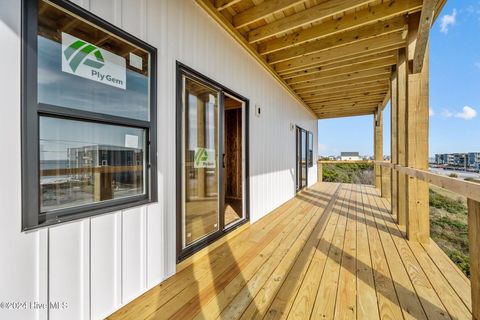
pixel 92 93
pixel 83 162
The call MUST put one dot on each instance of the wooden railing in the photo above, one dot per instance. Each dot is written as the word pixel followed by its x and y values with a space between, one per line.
pixel 471 191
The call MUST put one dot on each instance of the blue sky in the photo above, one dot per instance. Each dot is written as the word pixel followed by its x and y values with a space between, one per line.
pixel 454 92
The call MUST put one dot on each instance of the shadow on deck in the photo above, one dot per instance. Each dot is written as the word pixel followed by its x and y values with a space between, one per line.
pixel 332 252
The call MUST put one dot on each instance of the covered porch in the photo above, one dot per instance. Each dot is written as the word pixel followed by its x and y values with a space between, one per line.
pixel 332 252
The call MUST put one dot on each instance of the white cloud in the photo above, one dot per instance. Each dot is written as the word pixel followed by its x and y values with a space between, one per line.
pixel 467 113
pixel 448 20
pixel 431 113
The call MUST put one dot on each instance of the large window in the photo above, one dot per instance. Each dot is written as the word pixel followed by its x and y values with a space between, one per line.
pixel 88 115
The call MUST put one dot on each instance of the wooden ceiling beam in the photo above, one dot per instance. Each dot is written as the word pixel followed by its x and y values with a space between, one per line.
pixel 332 115
pixel 321 11
pixel 339 115
pixel 379 79
pixel 344 77
pixel 385 62
pixel 237 36
pixel 347 108
pixel 354 20
pixel 423 33
pixel 374 97
pixel 346 89
pixel 224 4
pixel 348 37
pixel 262 10
pixel 366 109
pixel 386 42
pixel 339 63
pixel 352 95
pixel 342 103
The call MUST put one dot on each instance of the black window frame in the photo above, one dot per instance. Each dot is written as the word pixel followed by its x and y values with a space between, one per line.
pixel 184 70
pixel 309 149
pixel 32 110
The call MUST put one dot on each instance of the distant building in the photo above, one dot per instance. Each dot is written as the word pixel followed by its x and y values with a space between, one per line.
pixel 350 156
pixel 471 159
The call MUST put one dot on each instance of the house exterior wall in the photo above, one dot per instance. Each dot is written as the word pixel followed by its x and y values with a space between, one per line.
pixel 94 266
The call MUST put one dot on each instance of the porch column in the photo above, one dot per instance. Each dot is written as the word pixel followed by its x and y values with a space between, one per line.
pixel 418 219
pixel 378 146
pixel 393 141
pixel 401 120
pixel 474 248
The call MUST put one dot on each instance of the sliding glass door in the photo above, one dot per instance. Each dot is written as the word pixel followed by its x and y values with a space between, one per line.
pixel 201 150
pixel 301 159
pixel 212 184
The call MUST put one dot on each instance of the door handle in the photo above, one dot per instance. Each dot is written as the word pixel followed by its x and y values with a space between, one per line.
pixel 223 160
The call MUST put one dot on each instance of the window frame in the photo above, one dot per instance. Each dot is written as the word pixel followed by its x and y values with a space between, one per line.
pixel 309 149
pixel 32 110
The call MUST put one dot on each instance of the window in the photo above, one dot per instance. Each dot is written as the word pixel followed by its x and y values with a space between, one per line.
pixel 88 116
pixel 310 149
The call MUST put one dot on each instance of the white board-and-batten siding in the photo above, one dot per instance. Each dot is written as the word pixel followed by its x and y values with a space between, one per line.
pixel 96 265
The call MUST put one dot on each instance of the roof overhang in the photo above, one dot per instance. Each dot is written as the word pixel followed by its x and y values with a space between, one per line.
pixel 335 56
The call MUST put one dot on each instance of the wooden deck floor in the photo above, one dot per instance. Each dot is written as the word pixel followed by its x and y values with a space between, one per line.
pixel 333 252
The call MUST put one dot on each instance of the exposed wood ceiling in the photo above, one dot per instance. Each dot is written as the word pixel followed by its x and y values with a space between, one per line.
pixel 334 56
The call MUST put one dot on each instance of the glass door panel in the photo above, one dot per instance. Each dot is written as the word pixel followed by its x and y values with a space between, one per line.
pixel 200 154
pixel 304 158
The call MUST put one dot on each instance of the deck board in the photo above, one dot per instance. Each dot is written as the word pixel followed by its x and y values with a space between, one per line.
pixel 332 252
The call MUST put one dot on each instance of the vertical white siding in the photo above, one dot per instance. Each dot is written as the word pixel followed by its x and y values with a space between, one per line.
pixel 98 264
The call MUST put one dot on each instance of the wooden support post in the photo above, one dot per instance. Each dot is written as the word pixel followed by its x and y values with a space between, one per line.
pixel 378 146
pixel 319 171
pixel 386 182
pixel 393 141
pixel 418 219
pixel 401 135
pixel 474 248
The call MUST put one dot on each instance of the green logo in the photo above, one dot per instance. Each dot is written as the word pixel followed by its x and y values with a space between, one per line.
pixel 79 51
pixel 200 157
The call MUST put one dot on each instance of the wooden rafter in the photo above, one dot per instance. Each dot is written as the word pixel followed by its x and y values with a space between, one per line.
pixel 334 56
pixel 220 19
pixel 224 4
pixel 345 77
pixel 386 42
pixel 351 21
pixel 369 86
pixel 321 11
pixel 339 40
pixel 348 69
pixel 263 10
pixel 342 62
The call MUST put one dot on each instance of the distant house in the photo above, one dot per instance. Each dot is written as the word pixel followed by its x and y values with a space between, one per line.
pixel 350 156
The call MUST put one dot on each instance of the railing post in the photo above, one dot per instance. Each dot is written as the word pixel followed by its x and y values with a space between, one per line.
pixel 319 171
pixel 378 147
pixel 474 248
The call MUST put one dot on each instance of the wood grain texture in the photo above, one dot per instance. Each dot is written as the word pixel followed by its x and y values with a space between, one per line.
pixel 333 252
